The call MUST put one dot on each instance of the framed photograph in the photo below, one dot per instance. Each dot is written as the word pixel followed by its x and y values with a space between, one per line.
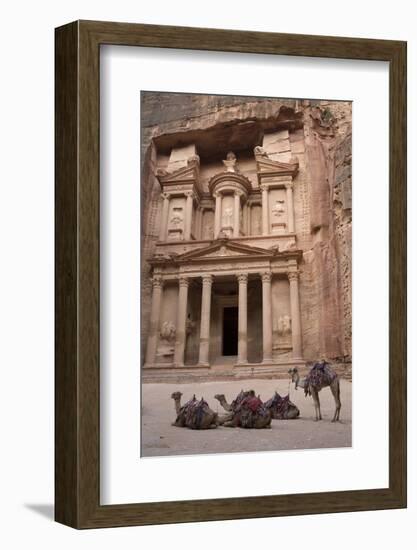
pixel 230 274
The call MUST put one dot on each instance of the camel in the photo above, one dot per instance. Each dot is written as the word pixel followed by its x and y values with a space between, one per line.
pixel 282 408
pixel 320 376
pixel 195 414
pixel 246 411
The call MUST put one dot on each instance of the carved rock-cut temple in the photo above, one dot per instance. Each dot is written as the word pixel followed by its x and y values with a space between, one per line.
pixel 246 233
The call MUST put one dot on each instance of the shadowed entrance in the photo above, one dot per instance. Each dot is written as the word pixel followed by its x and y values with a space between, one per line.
pixel 230 330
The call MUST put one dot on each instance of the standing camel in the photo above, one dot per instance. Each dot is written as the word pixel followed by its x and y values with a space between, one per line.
pixel 320 376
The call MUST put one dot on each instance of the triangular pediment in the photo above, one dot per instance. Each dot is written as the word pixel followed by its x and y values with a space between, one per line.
pixel 224 249
pixel 275 167
pixel 186 174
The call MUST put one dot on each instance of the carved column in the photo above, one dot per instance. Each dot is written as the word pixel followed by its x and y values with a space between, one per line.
pixel 164 217
pixel 290 208
pixel 200 223
pixel 245 218
pixel 265 210
pixel 180 333
pixel 197 224
pixel 295 315
pixel 188 215
pixel 267 316
pixel 217 214
pixel 236 215
pixel 205 320
pixel 152 344
pixel 243 318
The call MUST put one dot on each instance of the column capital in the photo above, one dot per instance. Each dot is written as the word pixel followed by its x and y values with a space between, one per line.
pixel 239 192
pixel 242 278
pixel 157 281
pixel 289 185
pixel 207 279
pixel 217 194
pixel 165 195
pixel 189 194
pixel 292 276
pixel 183 281
pixel 264 187
pixel 266 276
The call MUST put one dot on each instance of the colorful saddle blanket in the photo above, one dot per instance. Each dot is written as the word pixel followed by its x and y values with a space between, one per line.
pixel 279 405
pixel 194 411
pixel 320 375
pixel 251 408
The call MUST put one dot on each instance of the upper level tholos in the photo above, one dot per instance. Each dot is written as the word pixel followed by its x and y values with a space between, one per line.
pixel 245 193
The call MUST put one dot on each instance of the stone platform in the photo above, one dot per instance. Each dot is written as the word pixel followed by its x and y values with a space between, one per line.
pixel 232 371
pixel 227 371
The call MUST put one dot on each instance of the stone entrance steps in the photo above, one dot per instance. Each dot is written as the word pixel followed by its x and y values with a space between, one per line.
pixel 229 370
pixel 219 371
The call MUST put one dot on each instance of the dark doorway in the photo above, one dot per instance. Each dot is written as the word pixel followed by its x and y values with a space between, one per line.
pixel 230 328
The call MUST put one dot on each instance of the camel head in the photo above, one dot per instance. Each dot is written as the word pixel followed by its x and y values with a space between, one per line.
pixel 220 397
pixel 176 396
pixel 295 377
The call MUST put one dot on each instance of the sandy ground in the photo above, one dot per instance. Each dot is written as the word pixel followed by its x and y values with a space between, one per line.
pixel 159 438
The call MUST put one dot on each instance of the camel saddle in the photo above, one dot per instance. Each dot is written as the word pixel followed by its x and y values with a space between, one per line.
pixel 319 376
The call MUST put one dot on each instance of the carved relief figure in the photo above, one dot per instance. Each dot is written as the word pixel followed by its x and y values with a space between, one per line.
pixel 280 326
pixel 168 331
pixel 227 219
pixel 166 344
pixel 278 209
pixel 284 325
pixel 287 325
pixel 208 231
pixel 230 162
pixel 189 326
pixel 177 218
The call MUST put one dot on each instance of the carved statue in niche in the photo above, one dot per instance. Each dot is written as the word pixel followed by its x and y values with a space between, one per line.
pixel 176 224
pixel 284 325
pixel 177 218
pixel 207 225
pixel 256 221
pixel 287 325
pixel 189 326
pixel 227 219
pixel 166 343
pixel 168 331
pixel 278 209
pixel 208 231
pixel 230 162
pixel 280 326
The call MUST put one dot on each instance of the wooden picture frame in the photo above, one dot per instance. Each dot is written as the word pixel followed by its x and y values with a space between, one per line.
pixel 77 405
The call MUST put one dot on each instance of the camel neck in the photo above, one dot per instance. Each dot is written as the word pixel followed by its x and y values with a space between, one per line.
pixel 300 383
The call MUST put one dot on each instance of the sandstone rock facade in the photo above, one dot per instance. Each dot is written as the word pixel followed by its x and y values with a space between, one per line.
pixel 314 134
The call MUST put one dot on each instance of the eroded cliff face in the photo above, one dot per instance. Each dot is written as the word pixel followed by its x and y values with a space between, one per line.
pixel 319 135
pixel 328 259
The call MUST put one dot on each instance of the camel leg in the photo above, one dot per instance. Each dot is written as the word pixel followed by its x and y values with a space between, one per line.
pixel 315 396
pixel 232 423
pixel 224 418
pixel 335 389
